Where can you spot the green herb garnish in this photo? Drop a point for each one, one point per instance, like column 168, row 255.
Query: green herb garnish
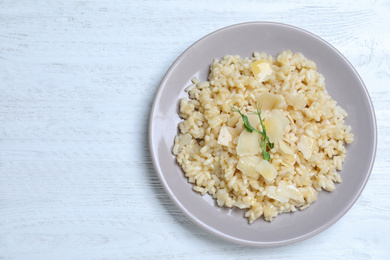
column 263, row 143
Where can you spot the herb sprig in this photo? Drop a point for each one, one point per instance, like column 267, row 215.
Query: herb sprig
column 265, row 143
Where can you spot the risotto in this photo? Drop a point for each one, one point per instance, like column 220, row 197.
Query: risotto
column 262, row 134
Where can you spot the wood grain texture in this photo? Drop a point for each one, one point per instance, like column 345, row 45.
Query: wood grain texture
column 77, row 81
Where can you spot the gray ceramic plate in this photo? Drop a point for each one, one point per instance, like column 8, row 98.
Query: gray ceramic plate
column 343, row 84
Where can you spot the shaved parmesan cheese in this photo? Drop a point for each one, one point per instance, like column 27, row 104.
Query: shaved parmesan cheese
column 285, row 147
column 266, row 170
column 225, row 137
column 261, row 69
column 275, row 125
column 289, row 191
column 284, row 192
column 306, row 146
column 248, row 143
column 253, row 120
column 295, row 101
column 247, row 165
column 273, row 194
column 269, row 101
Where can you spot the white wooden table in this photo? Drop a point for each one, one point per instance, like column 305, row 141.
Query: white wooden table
column 77, row 80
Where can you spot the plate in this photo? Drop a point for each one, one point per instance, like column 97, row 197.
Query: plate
column 342, row 83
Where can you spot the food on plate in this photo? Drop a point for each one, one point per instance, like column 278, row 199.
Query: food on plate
column 262, row 134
